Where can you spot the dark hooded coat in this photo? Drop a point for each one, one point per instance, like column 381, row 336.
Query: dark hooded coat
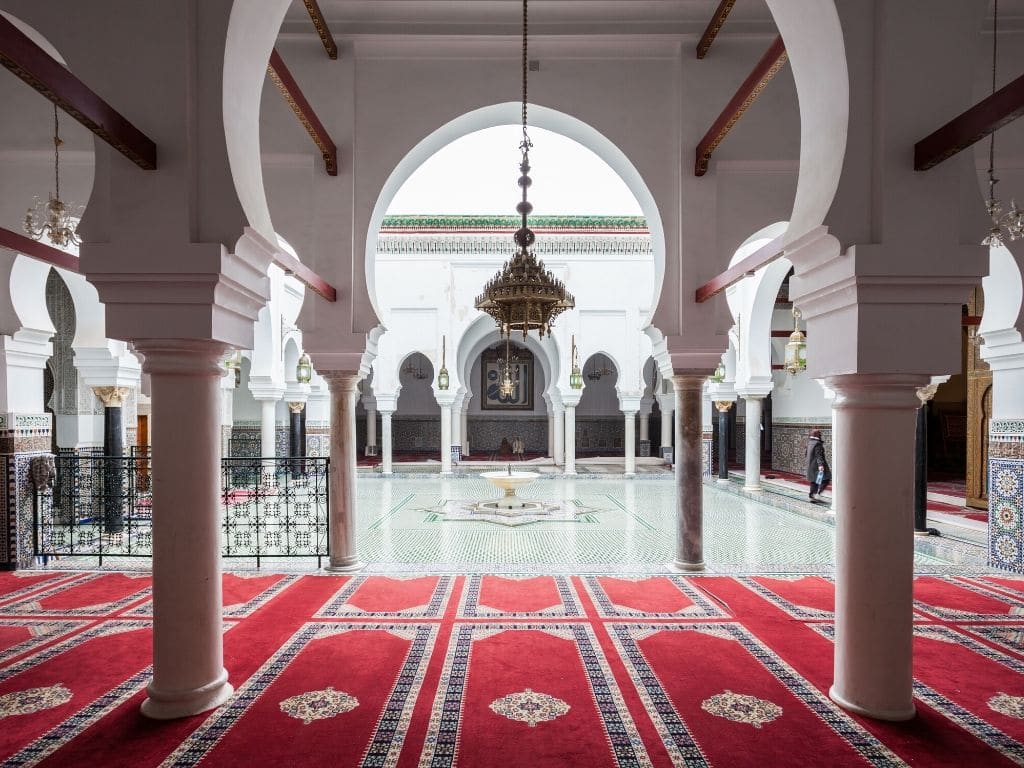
column 816, row 458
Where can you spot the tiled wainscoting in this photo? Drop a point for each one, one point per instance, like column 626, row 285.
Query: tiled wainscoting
column 789, row 444
column 1006, row 493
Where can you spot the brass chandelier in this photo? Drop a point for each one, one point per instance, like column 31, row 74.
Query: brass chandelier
column 524, row 296
column 54, row 218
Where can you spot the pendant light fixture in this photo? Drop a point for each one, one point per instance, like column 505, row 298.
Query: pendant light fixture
column 54, row 218
column 1008, row 226
column 524, row 296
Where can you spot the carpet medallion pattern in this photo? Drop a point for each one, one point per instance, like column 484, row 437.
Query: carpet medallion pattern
column 536, row 670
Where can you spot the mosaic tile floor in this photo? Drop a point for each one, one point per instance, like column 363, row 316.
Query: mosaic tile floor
column 400, row 527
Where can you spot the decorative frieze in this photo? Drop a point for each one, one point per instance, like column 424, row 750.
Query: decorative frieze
column 500, row 244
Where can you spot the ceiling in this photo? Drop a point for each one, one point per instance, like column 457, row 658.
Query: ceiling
column 547, row 17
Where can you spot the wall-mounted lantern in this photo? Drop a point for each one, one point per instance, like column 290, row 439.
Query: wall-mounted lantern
column 576, row 376
column 442, row 375
column 796, row 349
column 304, row 369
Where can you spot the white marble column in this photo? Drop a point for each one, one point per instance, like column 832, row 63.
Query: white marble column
column 446, row 439
column 342, row 511
column 385, row 442
column 645, row 425
column 558, row 429
column 456, row 422
column 752, row 462
column 667, row 406
column 188, row 651
column 629, row 442
column 551, row 432
column 876, row 414
column 570, row 440
column 371, row 426
column 464, row 431
column 268, row 428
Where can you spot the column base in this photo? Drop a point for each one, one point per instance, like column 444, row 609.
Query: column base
column 629, row 474
column 928, row 532
column 722, row 480
column 680, row 567
column 170, row 705
column 892, row 715
column 567, row 472
column 753, row 488
column 348, row 567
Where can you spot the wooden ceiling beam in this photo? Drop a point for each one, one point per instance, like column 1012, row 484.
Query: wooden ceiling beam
column 14, row 241
column 289, row 88
column 54, row 81
column 305, row 275
column 317, row 17
column 771, row 62
column 762, row 257
column 713, row 28
column 985, row 117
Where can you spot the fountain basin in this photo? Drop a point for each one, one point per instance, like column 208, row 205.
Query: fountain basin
column 509, row 482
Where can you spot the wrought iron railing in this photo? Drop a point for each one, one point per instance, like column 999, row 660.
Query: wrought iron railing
column 102, row 506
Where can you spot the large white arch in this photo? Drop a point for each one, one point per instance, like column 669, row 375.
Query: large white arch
column 506, row 114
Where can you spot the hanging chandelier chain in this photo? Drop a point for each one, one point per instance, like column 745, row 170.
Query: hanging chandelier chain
column 526, row 63
column 56, row 153
column 992, row 136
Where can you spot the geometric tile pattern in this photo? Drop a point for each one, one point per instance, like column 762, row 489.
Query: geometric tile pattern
column 1006, row 502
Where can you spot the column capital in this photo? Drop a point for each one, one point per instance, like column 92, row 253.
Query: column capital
column 265, row 388
column 723, row 406
column 893, row 391
column 183, row 357
column 341, row 381
column 297, row 407
column 688, row 381
column 924, row 394
column 111, row 397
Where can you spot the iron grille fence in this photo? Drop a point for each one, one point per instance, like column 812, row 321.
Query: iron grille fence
column 102, row 506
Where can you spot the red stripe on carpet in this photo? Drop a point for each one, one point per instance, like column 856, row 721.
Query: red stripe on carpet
column 929, row 739
column 13, row 587
column 94, row 595
column 74, row 677
column 649, row 597
column 1009, row 584
column 814, row 594
column 952, row 601
column 128, row 738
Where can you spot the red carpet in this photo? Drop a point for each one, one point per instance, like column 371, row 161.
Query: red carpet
column 536, row 670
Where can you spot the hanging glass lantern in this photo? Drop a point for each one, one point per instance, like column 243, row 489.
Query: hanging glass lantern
column 304, row 369
column 576, row 376
column 796, row 349
column 719, row 375
column 442, row 375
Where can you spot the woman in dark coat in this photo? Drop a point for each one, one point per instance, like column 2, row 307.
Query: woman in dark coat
column 818, row 473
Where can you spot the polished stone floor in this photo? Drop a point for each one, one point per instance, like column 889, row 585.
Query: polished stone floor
column 625, row 525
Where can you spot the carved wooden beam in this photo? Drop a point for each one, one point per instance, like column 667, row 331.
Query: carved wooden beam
column 985, row 117
column 55, row 257
column 765, row 70
column 53, row 80
column 285, row 83
column 304, row 274
column 714, row 26
column 321, row 27
column 762, row 257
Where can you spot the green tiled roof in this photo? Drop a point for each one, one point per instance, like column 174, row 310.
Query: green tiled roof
column 512, row 222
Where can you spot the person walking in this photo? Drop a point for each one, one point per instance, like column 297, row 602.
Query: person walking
column 818, row 473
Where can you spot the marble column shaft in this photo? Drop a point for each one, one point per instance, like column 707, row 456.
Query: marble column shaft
column 558, row 425
column 629, row 442
column 874, row 462
column 371, row 426
column 446, row 439
column 689, row 473
column 464, row 431
column 342, row 512
column 385, row 442
column 570, row 440
column 723, row 439
column 188, row 657
column 268, row 428
column 752, row 462
column 666, row 428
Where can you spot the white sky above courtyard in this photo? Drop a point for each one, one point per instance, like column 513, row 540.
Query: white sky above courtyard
column 478, row 174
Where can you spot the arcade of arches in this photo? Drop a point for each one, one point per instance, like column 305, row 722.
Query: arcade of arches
column 255, row 353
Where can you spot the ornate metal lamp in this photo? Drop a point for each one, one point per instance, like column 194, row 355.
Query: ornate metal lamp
column 507, row 385
column 1008, row 226
column 719, row 375
column 304, row 369
column 54, row 218
column 796, row 349
column 442, row 375
column 576, row 377
column 523, row 295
